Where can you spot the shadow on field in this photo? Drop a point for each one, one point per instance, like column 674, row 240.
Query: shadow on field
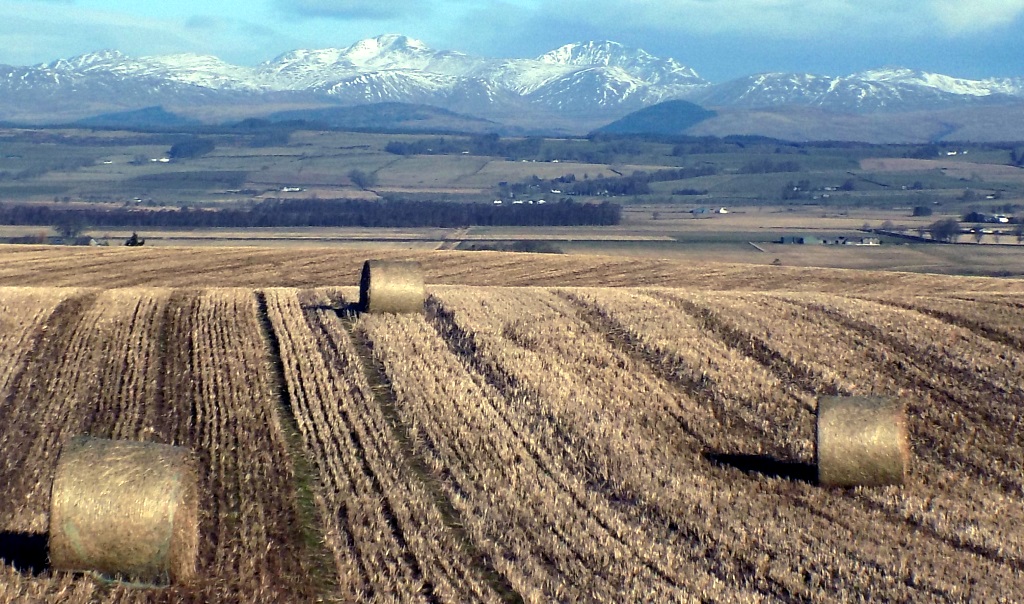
column 766, row 466
column 344, row 310
column 347, row 310
column 26, row 552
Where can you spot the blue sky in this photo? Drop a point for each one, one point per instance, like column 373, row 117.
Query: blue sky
column 721, row 39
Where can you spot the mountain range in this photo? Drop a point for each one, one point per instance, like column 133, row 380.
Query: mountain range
column 572, row 89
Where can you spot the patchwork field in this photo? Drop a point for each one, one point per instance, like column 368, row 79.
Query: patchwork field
column 531, row 437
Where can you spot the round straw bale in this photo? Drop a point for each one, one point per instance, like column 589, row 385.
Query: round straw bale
column 391, row 286
column 862, row 441
column 126, row 510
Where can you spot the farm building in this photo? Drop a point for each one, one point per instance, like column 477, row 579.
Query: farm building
column 801, row 240
column 851, row 241
column 812, row 240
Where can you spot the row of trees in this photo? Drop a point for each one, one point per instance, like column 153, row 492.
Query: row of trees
column 946, row 230
column 191, row 148
column 949, row 230
column 326, row 213
column 484, row 144
column 637, row 183
column 596, row 149
column 767, row 166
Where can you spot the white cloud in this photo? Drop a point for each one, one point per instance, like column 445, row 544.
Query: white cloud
column 47, row 30
column 727, row 38
column 354, row 9
column 788, row 19
column 972, row 16
column 785, row 18
column 37, row 32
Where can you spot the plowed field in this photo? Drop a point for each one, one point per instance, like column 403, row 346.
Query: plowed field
column 525, row 444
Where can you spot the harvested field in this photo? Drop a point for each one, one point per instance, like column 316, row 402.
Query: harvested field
column 25, row 265
column 522, row 444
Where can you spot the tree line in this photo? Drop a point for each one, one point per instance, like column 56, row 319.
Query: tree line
column 393, row 213
column 485, row 144
column 596, row 149
column 637, row 183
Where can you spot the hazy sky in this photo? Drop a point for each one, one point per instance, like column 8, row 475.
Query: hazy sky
column 721, row 39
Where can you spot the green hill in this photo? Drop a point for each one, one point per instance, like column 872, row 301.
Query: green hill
column 149, row 118
column 387, row 117
column 669, row 118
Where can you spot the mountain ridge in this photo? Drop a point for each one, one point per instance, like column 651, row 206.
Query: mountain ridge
column 579, row 85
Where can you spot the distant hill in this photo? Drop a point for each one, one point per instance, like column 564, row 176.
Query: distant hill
column 670, row 117
column 979, row 123
column 149, row 118
column 388, row 117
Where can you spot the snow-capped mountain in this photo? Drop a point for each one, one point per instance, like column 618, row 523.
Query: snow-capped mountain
column 203, row 71
column 958, row 86
column 593, row 75
column 585, row 81
column 638, row 63
column 875, row 90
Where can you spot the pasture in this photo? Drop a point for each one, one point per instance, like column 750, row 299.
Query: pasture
column 772, row 189
column 247, row 165
column 551, row 428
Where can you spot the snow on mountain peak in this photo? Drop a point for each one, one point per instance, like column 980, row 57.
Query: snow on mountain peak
column 886, row 74
column 85, row 61
column 370, row 49
column 943, row 83
column 321, row 57
column 634, row 60
column 597, row 76
column 588, row 53
column 603, row 53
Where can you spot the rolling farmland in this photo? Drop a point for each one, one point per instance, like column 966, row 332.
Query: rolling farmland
column 558, row 442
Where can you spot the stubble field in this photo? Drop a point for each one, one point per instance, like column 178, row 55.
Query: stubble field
column 530, row 437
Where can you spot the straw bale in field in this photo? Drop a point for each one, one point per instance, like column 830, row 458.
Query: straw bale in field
column 391, row 287
column 862, row 441
column 126, row 510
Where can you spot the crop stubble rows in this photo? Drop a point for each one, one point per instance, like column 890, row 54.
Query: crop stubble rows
column 537, row 444
column 388, row 538
column 164, row 366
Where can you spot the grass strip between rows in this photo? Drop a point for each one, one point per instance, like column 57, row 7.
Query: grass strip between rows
column 322, row 573
column 383, row 395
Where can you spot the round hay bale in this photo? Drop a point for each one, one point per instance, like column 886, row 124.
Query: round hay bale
column 862, row 441
column 391, row 286
column 126, row 510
